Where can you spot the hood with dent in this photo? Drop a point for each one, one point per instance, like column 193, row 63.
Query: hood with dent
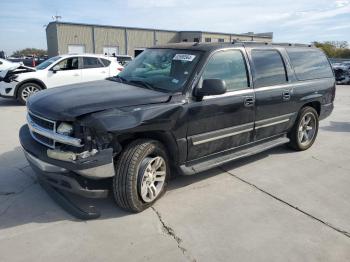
column 69, row 102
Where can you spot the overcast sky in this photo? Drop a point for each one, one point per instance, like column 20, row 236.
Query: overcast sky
column 22, row 22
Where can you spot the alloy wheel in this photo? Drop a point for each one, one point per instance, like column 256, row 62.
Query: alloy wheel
column 307, row 129
column 153, row 174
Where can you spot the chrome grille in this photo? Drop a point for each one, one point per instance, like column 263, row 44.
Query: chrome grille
column 44, row 131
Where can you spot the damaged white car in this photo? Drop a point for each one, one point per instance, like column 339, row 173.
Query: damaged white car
column 20, row 81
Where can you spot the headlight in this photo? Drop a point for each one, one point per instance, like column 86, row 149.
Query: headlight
column 65, row 129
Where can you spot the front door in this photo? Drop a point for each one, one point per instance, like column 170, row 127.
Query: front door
column 222, row 122
column 69, row 73
column 274, row 100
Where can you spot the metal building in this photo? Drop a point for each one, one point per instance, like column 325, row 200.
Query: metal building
column 63, row 38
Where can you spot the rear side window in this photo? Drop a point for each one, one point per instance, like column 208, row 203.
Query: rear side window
column 309, row 64
column 106, row 62
column 229, row 66
column 92, row 62
column 269, row 68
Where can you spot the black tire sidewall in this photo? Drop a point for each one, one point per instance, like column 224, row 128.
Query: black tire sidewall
column 20, row 90
column 132, row 175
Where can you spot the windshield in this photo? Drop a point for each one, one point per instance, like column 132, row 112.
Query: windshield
column 165, row 70
column 48, row 62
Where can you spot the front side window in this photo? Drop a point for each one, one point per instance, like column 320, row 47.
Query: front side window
column 229, row 66
column 69, row 64
column 269, row 68
column 92, row 62
column 165, row 70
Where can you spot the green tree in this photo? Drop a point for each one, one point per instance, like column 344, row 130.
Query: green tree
column 29, row 52
column 334, row 49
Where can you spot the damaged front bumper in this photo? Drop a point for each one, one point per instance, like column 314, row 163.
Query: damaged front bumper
column 87, row 177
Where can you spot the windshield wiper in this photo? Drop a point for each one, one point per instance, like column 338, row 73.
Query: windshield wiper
column 119, row 79
column 143, row 84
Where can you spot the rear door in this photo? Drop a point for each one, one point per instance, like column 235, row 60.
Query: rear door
column 222, row 122
column 274, row 100
column 93, row 69
column 69, row 73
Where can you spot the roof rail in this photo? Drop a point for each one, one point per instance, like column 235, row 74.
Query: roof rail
column 273, row 43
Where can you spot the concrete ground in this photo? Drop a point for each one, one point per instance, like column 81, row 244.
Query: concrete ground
column 279, row 205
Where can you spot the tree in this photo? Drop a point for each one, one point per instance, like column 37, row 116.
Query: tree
column 334, row 49
column 30, row 52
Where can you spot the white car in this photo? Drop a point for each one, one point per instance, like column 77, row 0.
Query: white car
column 20, row 82
column 5, row 64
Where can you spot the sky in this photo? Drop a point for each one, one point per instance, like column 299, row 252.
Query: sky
column 22, row 23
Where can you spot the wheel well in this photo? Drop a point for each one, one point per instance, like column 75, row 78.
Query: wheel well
column 164, row 138
column 35, row 81
column 316, row 105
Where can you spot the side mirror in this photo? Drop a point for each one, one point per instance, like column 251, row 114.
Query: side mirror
column 56, row 68
column 211, row 87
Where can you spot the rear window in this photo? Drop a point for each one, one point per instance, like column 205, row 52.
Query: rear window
column 269, row 68
column 106, row 62
column 309, row 64
column 92, row 62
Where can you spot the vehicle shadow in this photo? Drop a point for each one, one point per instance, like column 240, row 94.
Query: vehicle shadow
column 335, row 126
column 34, row 205
column 10, row 102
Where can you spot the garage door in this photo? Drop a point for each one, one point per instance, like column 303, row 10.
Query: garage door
column 76, row 49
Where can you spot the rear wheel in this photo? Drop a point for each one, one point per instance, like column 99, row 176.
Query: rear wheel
column 26, row 90
column 305, row 129
column 142, row 172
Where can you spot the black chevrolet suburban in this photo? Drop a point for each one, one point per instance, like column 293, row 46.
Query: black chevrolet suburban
column 176, row 109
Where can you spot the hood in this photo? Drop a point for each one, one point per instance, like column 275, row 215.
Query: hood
column 14, row 69
column 69, row 102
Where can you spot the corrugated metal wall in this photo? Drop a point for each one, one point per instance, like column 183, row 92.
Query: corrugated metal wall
column 52, row 41
column 74, row 35
column 94, row 38
column 109, row 37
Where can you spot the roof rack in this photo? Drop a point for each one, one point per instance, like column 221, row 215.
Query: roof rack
column 273, row 43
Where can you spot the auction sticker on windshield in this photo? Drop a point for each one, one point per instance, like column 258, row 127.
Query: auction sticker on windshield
column 184, row 57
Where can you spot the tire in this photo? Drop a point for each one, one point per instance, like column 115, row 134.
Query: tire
column 305, row 129
column 135, row 170
column 27, row 90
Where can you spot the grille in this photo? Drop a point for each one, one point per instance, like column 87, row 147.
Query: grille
column 44, row 140
column 42, row 122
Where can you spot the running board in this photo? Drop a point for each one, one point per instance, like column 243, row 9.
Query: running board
column 225, row 158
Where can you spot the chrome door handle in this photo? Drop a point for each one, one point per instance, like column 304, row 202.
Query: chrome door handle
column 76, row 75
column 249, row 101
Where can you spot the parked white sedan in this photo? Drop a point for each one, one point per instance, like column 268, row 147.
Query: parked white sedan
column 20, row 82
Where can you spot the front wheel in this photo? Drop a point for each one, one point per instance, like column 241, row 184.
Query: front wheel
column 142, row 172
column 305, row 129
column 26, row 90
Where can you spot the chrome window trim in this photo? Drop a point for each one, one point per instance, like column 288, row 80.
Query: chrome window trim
column 51, row 134
column 231, row 93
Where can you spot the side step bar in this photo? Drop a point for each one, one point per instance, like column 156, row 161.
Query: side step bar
column 237, row 154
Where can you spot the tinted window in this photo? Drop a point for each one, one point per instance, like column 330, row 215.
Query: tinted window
column 269, row 68
column 92, row 62
column 229, row 66
column 106, row 62
column 309, row 64
column 69, row 64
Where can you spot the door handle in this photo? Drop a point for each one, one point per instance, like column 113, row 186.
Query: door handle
column 286, row 95
column 103, row 72
column 249, row 101
column 76, row 75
